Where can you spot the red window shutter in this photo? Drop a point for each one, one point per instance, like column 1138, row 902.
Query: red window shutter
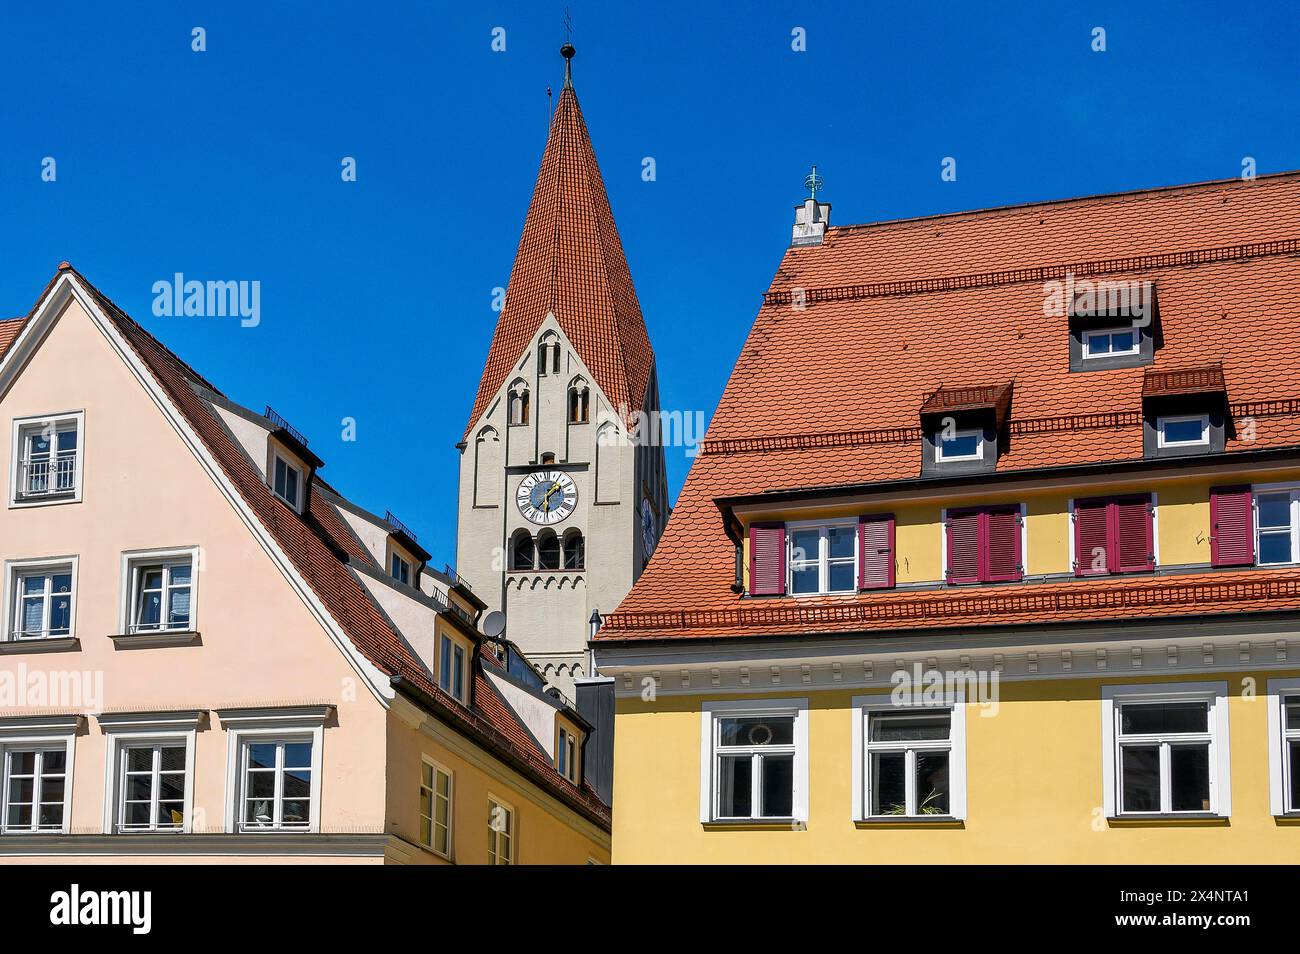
column 876, row 551
column 964, row 546
column 1232, row 526
column 766, row 559
column 1133, row 547
column 1002, row 544
column 1092, row 550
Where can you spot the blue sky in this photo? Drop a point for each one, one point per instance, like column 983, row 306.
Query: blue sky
column 376, row 294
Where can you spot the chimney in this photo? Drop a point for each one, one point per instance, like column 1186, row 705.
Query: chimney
column 811, row 217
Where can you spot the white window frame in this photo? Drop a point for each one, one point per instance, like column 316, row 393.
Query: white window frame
column 1135, row 330
column 43, row 732
column 133, row 561
column 278, row 456
column 941, row 458
column 246, row 726
column 126, row 730
column 15, row 570
column 711, row 713
column 23, row 425
column 823, row 558
column 1280, row 766
column 1264, row 490
column 1113, row 697
column 1202, row 441
column 862, row 708
column 496, row 835
column 438, row 768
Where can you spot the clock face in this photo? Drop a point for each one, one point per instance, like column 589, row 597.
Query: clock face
column 546, row 497
column 648, row 538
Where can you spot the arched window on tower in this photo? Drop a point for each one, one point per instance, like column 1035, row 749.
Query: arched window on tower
column 579, row 402
column 487, row 465
column 519, row 403
column 548, row 354
column 548, row 551
column 575, row 555
column 521, row 551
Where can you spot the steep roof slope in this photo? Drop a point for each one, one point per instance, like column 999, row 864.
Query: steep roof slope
column 829, row 394
column 570, row 263
column 320, row 548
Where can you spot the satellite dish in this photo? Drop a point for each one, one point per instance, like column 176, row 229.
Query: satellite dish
column 494, row 624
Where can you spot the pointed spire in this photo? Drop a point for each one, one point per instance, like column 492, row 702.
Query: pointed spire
column 570, row 263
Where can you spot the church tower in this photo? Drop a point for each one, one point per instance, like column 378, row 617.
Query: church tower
column 562, row 484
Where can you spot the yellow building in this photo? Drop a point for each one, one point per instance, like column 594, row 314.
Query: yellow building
column 991, row 552
column 207, row 654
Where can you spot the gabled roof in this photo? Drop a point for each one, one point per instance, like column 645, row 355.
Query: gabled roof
column 825, row 391
column 320, row 546
column 570, row 263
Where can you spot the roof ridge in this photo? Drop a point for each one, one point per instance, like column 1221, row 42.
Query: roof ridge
column 1126, row 194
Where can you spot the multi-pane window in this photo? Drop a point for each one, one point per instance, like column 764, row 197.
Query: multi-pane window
column 401, row 569
column 754, row 767
column 435, row 808
column 908, row 762
column 1277, row 540
column 1164, row 752
column 451, row 668
column 823, row 559
column 152, row 778
column 276, row 790
column 287, row 481
column 501, row 833
column 42, row 603
column 47, row 459
column 1108, row 342
column 35, row 786
column 1185, row 430
column 160, row 597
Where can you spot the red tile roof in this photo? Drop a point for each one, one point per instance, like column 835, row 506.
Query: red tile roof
column 855, row 335
column 320, row 547
column 570, row 262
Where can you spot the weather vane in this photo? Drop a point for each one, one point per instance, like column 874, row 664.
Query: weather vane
column 813, row 182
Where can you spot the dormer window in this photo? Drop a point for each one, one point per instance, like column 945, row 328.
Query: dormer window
column 1185, row 412
column 960, row 445
column 287, row 481
column 962, row 428
column 1185, row 430
column 1113, row 324
column 401, row 569
column 452, row 656
column 1111, row 342
column 566, row 754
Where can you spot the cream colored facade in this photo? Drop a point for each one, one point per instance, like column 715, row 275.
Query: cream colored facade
column 262, row 659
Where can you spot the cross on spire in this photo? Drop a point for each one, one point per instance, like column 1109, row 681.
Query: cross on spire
column 813, row 182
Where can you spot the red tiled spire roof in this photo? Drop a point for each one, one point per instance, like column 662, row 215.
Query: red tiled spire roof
column 570, row 262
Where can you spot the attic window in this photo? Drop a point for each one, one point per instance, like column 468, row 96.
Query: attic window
column 1184, row 430
column 960, row 445
column 287, row 483
column 1185, row 411
column 1111, row 342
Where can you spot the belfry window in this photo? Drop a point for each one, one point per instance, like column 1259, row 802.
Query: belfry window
column 522, row 551
column 575, row 555
column 548, row 551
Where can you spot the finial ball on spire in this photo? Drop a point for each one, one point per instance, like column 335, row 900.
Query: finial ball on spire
column 567, row 51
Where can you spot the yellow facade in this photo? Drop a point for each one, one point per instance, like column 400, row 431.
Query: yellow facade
column 1182, row 523
column 1034, row 787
